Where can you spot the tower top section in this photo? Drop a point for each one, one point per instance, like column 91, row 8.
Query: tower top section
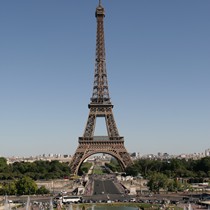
column 100, row 86
column 100, row 10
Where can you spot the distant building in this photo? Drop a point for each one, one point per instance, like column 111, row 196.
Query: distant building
column 207, row 152
column 135, row 155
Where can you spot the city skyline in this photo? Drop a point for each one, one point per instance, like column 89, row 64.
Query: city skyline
column 158, row 66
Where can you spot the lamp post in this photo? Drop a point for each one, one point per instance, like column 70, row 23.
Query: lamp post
column 140, row 178
column 140, row 185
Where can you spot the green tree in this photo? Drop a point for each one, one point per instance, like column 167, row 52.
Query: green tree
column 3, row 164
column 26, row 185
column 42, row 190
column 203, row 164
column 133, row 170
column 157, row 181
column 8, row 188
column 174, row 185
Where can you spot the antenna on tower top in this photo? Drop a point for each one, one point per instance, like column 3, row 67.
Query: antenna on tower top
column 99, row 2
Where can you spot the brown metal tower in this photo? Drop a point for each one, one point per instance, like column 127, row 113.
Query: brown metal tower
column 100, row 106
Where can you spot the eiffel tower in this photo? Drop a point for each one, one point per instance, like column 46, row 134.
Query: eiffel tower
column 100, row 106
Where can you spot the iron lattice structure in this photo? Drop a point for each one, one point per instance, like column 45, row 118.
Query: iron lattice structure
column 100, row 106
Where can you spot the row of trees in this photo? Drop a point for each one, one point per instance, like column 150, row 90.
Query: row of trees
column 19, row 178
column 173, row 168
column 36, row 170
column 197, row 169
column 158, row 181
column 25, row 185
column 166, row 174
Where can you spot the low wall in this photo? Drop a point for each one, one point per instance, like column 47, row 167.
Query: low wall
column 53, row 185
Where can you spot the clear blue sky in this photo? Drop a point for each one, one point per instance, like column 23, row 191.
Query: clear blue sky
column 158, row 64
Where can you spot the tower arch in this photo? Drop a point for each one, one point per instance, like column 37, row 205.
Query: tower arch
column 104, row 152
